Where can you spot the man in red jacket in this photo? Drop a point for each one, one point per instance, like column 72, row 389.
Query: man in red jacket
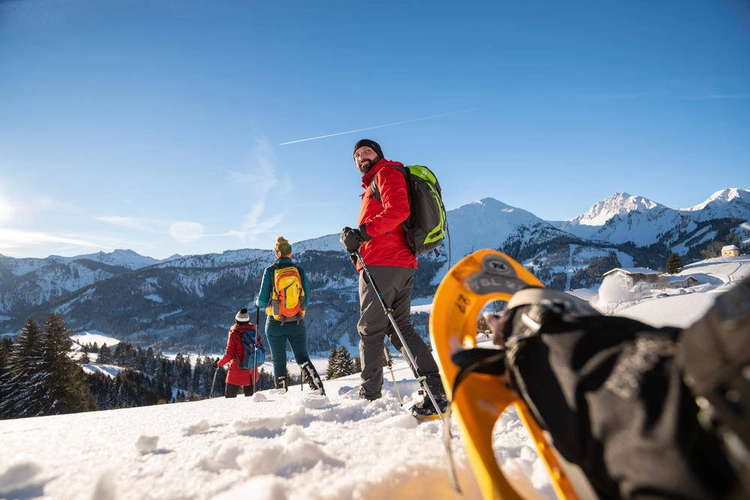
column 381, row 240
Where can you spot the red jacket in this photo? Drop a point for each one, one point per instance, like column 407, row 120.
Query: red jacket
column 382, row 221
column 234, row 353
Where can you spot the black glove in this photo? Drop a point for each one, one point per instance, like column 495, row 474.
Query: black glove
column 353, row 238
column 215, row 363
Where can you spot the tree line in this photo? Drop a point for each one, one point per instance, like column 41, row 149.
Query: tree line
column 38, row 375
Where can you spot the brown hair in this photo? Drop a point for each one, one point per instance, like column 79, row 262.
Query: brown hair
column 283, row 247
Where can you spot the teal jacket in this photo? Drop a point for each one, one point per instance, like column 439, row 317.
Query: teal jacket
column 266, row 284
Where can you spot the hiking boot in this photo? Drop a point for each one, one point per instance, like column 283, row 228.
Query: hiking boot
column 281, row 383
column 425, row 410
column 310, row 374
column 369, row 397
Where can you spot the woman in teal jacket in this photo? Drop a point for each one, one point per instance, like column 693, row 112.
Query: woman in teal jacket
column 281, row 329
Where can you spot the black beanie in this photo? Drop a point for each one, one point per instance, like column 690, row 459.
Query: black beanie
column 369, row 143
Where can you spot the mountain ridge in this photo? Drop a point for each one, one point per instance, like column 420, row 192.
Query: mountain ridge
column 187, row 301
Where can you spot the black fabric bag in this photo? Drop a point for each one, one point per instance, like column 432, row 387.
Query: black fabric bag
column 611, row 394
column 714, row 356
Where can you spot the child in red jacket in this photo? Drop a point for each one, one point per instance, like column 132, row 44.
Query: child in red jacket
column 236, row 376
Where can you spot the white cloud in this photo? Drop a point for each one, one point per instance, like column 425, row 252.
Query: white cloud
column 11, row 239
column 260, row 182
column 186, row 231
column 140, row 223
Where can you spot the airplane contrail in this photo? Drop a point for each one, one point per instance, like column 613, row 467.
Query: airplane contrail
column 380, row 126
column 412, row 121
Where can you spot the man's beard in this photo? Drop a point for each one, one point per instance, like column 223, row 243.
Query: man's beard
column 366, row 165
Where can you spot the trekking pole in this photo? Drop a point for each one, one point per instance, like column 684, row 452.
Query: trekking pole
column 213, row 382
column 420, row 378
column 389, row 363
column 257, row 338
column 389, row 312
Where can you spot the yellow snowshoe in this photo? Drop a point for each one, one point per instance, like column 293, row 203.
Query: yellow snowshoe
column 481, row 395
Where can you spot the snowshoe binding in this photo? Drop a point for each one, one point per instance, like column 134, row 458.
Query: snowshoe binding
column 425, row 410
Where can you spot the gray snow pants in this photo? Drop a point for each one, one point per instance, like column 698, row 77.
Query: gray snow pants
column 395, row 284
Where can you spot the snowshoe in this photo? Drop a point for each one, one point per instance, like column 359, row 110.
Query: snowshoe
column 425, row 410
column 483, row 395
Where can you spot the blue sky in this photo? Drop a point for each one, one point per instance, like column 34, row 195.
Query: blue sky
column 195, row 127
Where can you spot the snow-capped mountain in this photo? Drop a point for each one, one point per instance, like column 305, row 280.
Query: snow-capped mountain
column 618, row 204
column 727, row 203
column 189, row 301
column 623, row 218
column 118, row 258
column 491, row 223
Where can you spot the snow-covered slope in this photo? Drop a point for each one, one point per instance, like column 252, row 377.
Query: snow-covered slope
column 488, row 223
column 732, row 202
column 186, row 300
column 119, row 258
column 665, row 306
column 285, row 446
column 624, row 218
column 328, row 243
column 618, row 204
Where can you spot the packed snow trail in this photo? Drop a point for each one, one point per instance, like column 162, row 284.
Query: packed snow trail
column 294, row 445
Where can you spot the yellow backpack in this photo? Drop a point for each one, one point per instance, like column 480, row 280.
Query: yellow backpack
column 287, row 296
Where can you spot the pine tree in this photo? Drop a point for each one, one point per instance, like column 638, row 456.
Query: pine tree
column 345, row 362
column 6, row 344
column 332, row 372
column 66, row 388
column 674, row 264
column 84, row 359
column 25, row 380
column 105, row 355
column 151, row 361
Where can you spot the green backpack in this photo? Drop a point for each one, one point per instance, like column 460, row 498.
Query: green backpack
column 427, row 224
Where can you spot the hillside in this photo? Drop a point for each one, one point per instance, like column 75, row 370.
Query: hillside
column 295, row 445
column 187, row 302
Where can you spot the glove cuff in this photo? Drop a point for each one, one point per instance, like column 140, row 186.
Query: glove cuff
column 363, row 232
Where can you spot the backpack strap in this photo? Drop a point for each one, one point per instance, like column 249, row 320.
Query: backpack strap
column 376, row 192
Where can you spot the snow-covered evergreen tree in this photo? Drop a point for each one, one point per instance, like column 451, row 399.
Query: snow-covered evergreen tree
column 345, row 364
column 67, row 390
column 105, row 355
column 5, row 346
column 27, row 381
column 332, row 372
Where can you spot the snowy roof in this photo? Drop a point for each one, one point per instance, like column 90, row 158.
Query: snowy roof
column 729, row 247
column 679, row 278
column 631, row 270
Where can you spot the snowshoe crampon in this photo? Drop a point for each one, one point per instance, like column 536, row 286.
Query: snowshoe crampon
column 482, row 396
column 425, row 410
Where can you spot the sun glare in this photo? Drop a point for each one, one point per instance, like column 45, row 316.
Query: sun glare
column 6, row 210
